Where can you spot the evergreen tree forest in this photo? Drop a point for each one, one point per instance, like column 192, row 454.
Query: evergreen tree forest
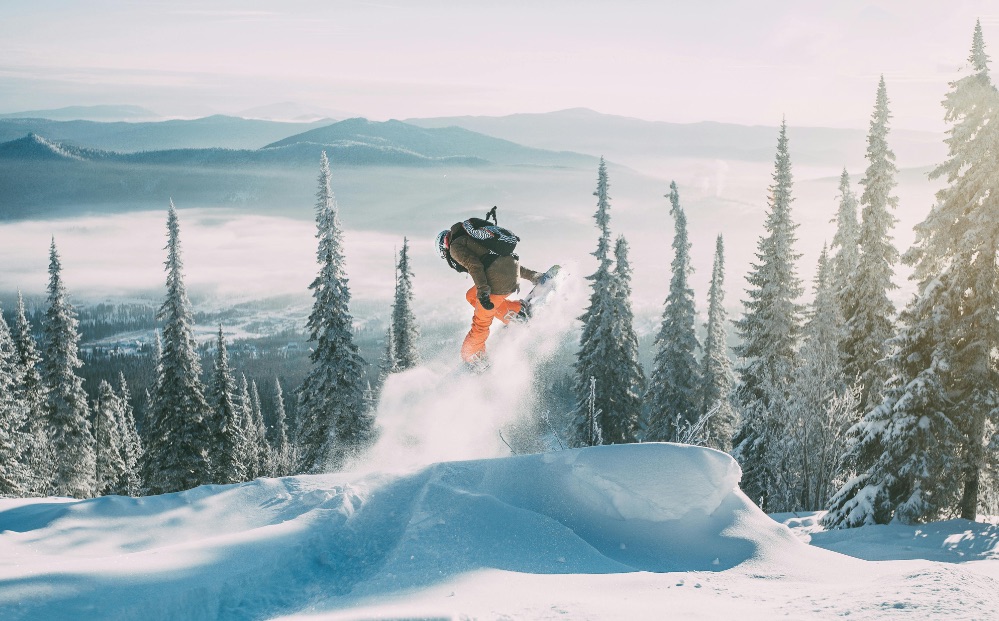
column 829, row 399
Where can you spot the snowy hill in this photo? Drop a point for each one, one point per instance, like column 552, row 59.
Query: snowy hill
column 607, row 532
column 36, row 148
column 276, row 546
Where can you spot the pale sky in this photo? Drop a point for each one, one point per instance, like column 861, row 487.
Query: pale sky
column 817, row 62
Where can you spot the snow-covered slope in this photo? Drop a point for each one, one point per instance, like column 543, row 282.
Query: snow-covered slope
column 434, row 525
column 637, row 531
column 280, row 546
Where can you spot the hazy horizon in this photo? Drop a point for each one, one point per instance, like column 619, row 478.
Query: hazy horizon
column 816, row 65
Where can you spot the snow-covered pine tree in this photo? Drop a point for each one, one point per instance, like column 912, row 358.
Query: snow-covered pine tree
column 906, row 451
column 600, row 352
column 179, row 439
column 132, row 444
column 111, row 468
column 247, row 430
column 281, row 448
column 717, row 377
column 770, row 330
column 149, row 409
column 67, row 410
column 370, row 399
column 962, row 232
column 629, row 379
column 405, row 331
column 920, row 455
column 334, row 423
column 229, row 456
column 14, row 474
column 32, row 394
column 822, row 401
column 593, row 435
column 844, row 247
column 262, row 456
column 388, row 363
column 868, row 312
column 673, row 398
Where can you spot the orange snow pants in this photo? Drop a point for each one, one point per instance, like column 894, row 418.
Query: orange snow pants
column 475, row 340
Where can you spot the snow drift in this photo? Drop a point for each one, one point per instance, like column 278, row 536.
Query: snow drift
column 278, row 546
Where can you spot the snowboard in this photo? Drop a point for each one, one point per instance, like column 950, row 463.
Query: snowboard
column 544, row 291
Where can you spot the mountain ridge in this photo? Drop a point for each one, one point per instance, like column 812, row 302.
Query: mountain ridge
column 87, row 113
column 630, row 140
column 352, row 142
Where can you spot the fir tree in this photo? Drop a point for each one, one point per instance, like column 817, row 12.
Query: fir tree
column 718, row 379
column 180, row 436
column 822, row 401
column 281, row 456
column 111, row 467
column 229, row 464
column 334, row 424
column 920, row 455
column 629, row 382
column 261, row 448
column 673, row 396
column 388, row 363
column 14, row 473
column 590, row 358
column 961, row 236
column 404, row 329
column 67, row 410
column 770, row 331
column 131, row 443
column 603, row 352
column 32, row 394
column 906, row 450
column 247, row 431
column 868, row 313
column 845, row 249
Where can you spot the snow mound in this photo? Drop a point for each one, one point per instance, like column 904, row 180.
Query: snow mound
column 658, row 485
column 332, row 542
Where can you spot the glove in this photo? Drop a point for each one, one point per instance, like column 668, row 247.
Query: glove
column 483, row 295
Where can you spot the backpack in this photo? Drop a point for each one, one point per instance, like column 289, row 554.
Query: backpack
column 495, row 238
column 499, row 241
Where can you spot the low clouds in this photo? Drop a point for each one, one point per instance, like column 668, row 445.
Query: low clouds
column 226, row 255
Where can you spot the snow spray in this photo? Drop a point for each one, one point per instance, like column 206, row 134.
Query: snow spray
column 437, row 412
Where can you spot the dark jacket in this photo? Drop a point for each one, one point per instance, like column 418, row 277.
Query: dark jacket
column 500, row 277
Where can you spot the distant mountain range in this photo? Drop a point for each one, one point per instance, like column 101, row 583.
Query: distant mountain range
column 293, row 112
column 350, row 142
column 88, row 113
column 48, row 165
column 445, row 142
column 225, row 132
column 40, row 175
column 629, row 141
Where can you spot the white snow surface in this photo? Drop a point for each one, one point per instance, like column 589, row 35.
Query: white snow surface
column 453, row 527
column 638, row 531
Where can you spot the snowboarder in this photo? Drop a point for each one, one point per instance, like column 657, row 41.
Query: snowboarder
column 485, row 251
